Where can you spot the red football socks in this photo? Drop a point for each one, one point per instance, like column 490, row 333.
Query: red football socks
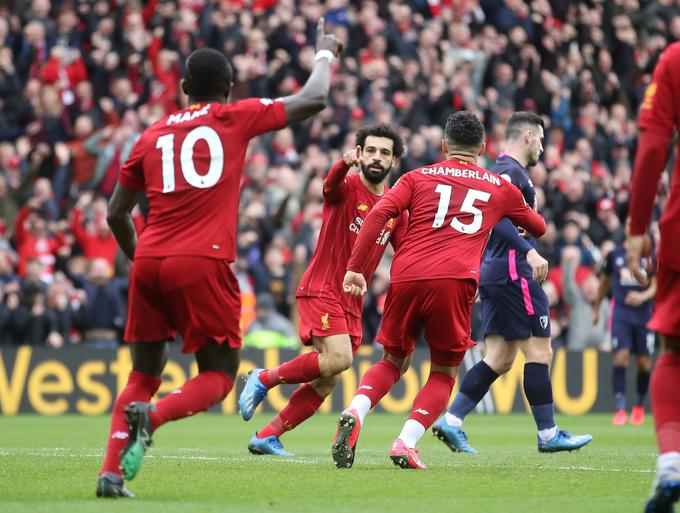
column 140, row 387
column 301, row 369
column 196, row 395
column 432, row 398
column 302, row 405
column 663, row 389
column 378, row 380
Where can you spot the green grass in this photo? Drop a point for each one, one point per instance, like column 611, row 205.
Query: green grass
column 201, row 464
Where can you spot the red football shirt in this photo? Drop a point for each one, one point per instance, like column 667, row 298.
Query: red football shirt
column 190, row 165
column 347, row 202
column 452, row 206
column 659, row 118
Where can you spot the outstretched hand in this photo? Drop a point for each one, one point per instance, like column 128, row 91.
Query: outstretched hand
column 354, row 284
column 327, row 41
column 353, row 157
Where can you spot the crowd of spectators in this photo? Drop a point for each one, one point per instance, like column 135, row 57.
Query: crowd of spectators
column 79, row 81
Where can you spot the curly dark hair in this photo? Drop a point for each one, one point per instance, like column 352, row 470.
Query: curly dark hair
column 521, row 121
column 464, row 130
column 207, row 74
column 382, row 130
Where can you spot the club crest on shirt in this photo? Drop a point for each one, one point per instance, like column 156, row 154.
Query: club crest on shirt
column 325, row 325
column 390, row 224
column 544, row 321
column 362, row 207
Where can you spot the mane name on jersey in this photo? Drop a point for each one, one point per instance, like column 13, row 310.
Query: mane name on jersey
column 461, row 173
column 187, row 115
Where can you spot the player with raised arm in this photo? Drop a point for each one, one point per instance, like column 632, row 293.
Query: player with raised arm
column 632, row 310
column 515, row 309
column 659, row 120
column 330, row 321
column 189, row 164
column 452, row 205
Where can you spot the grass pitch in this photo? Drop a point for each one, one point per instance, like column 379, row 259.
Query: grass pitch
column 50, row 464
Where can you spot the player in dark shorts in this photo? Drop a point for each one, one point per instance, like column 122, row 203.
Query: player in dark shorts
column 189, row 164
column 515, row 309
column 632, row 310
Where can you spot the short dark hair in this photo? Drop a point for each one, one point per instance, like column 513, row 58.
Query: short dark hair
column 382, row 130
column 464, row 130
column 207, row 73
column 521, row 121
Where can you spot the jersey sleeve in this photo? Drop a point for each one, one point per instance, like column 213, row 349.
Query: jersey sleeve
column 335, row 183
column 132, row 173
column 658, row 105
column 656, row 124
column 521, row 214
column 256, row 116
column 395, row 201
column 509, row 234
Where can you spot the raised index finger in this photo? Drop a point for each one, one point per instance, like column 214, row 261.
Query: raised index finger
column 319, row 28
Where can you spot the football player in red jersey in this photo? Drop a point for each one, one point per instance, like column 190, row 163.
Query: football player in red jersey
column 329, row 319
column 189, row 164
column 659, row 119
column 452, row 205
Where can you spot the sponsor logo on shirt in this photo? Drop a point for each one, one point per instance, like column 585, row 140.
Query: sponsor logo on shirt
column 325, row 325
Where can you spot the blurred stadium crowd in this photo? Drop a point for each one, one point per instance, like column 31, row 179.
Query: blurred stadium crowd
column 79, row 81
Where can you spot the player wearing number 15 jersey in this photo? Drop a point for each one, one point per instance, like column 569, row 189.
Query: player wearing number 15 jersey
column 452, row 205
column 189, row 164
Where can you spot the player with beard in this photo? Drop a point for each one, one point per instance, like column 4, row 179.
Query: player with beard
column 330, row 321
column 515, row 309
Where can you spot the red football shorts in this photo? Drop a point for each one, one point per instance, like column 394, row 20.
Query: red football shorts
column 442, row 307
column 195, row 296
column 666, row 317
column 322, row 317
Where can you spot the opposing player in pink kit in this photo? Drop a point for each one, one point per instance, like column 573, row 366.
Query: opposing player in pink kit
column 452, row 206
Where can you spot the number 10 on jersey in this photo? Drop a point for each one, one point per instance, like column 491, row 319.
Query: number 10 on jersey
column 166, row 143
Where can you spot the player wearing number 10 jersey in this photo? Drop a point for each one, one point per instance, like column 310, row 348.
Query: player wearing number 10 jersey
column 190, row 165
column 452, row 205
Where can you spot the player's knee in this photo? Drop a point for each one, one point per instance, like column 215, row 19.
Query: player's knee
column 500, row 365
column 621, row 358
column 543, row 354
column 339, row 361
column 325, row 386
